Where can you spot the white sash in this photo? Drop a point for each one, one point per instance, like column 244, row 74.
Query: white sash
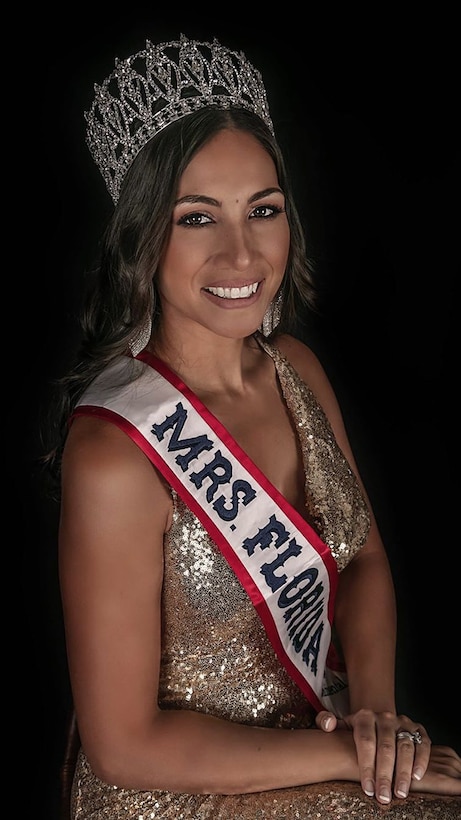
column 288, row 572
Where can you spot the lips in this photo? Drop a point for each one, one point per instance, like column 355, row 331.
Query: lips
column 234, row 293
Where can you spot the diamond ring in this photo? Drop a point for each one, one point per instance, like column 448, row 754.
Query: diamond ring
column 415, row 737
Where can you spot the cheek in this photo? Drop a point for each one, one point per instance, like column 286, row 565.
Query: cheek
column 280, row 247
column 185, row 248
column 176, row 261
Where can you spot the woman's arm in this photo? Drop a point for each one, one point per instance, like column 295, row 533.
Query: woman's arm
column 365, row 619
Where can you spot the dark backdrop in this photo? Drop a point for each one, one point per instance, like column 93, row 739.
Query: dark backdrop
column 366, row 111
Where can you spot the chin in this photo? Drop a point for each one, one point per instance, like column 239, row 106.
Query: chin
column 240, row 331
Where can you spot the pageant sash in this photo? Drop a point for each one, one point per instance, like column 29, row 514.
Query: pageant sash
column 288, row 572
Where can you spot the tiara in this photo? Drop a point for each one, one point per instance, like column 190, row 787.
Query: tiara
column 159, row 85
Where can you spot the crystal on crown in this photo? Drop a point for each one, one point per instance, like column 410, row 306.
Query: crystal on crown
column 158, row 86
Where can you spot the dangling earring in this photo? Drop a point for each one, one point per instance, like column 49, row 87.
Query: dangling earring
column 272, row 315
column 139, row 341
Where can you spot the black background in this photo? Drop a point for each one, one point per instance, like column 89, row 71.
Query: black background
column 365, row 108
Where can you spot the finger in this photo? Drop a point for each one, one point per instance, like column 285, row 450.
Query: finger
column 422, row 754
column 413, row 754
column 365, row 737
column 326, row 721
column 375, row 740
column 404, row 766
column 386, row 760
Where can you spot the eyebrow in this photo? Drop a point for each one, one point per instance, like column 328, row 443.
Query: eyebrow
column 208, row 200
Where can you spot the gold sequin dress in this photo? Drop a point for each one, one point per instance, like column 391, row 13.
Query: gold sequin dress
column 217, row 659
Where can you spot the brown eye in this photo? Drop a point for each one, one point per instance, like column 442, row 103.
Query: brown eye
column 266, row 211
column 195, row 219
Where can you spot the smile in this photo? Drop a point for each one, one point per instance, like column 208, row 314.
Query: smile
column 234, row 293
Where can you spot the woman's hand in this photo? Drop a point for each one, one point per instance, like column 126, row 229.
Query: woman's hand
column 392, row 750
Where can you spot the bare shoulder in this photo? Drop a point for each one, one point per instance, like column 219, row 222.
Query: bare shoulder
column 102, row 463
column 98, row 451
column 99, row 444
column 297, row 352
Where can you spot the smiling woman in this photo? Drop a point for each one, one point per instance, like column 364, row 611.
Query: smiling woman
column 228, row 602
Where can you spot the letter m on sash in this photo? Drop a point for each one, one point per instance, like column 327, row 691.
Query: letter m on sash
column 195, row 445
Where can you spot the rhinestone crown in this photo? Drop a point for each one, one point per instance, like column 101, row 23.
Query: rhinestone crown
column 158, row 86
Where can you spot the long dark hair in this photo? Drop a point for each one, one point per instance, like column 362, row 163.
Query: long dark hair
column 122, row 290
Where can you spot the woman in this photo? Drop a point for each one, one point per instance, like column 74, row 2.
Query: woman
column 229, row 610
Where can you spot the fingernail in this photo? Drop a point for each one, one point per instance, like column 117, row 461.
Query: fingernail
column 385, row 796
column 369, row 788
column 418, row 774
column 327, row 722
column 402, row 790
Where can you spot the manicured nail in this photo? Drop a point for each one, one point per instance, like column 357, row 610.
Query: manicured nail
column 369, row 788
column 418, row 774
column 327, row 722
column 402, row 790
column 385, row 795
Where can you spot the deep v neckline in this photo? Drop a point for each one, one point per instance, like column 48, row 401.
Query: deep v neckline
column 280, row 361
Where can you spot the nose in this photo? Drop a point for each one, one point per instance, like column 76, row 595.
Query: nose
column 237, row 246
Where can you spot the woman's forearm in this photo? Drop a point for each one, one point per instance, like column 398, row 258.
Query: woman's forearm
column 366, row 624
column 196, row 753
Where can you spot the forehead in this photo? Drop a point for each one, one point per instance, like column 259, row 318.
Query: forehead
column 231, row 158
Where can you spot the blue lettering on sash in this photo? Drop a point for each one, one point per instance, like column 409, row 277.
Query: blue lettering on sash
column 285, row 598
column 301, row 604
column 218, row 471
column 275, row 581
column 299, row 632
column 312, row 649
column 304, row 604
column 176, row 422
column 305, row 619
column 263, row 537
column 239, row 487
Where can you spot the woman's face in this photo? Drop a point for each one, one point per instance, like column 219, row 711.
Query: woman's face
column 229, row 241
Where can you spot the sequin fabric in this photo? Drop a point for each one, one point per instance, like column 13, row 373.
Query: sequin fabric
column 216, row 657
column 335, row 506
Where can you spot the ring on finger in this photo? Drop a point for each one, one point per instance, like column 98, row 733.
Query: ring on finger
column 415, row 736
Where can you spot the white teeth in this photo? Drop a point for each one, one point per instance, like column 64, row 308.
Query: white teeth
column 234, row 293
